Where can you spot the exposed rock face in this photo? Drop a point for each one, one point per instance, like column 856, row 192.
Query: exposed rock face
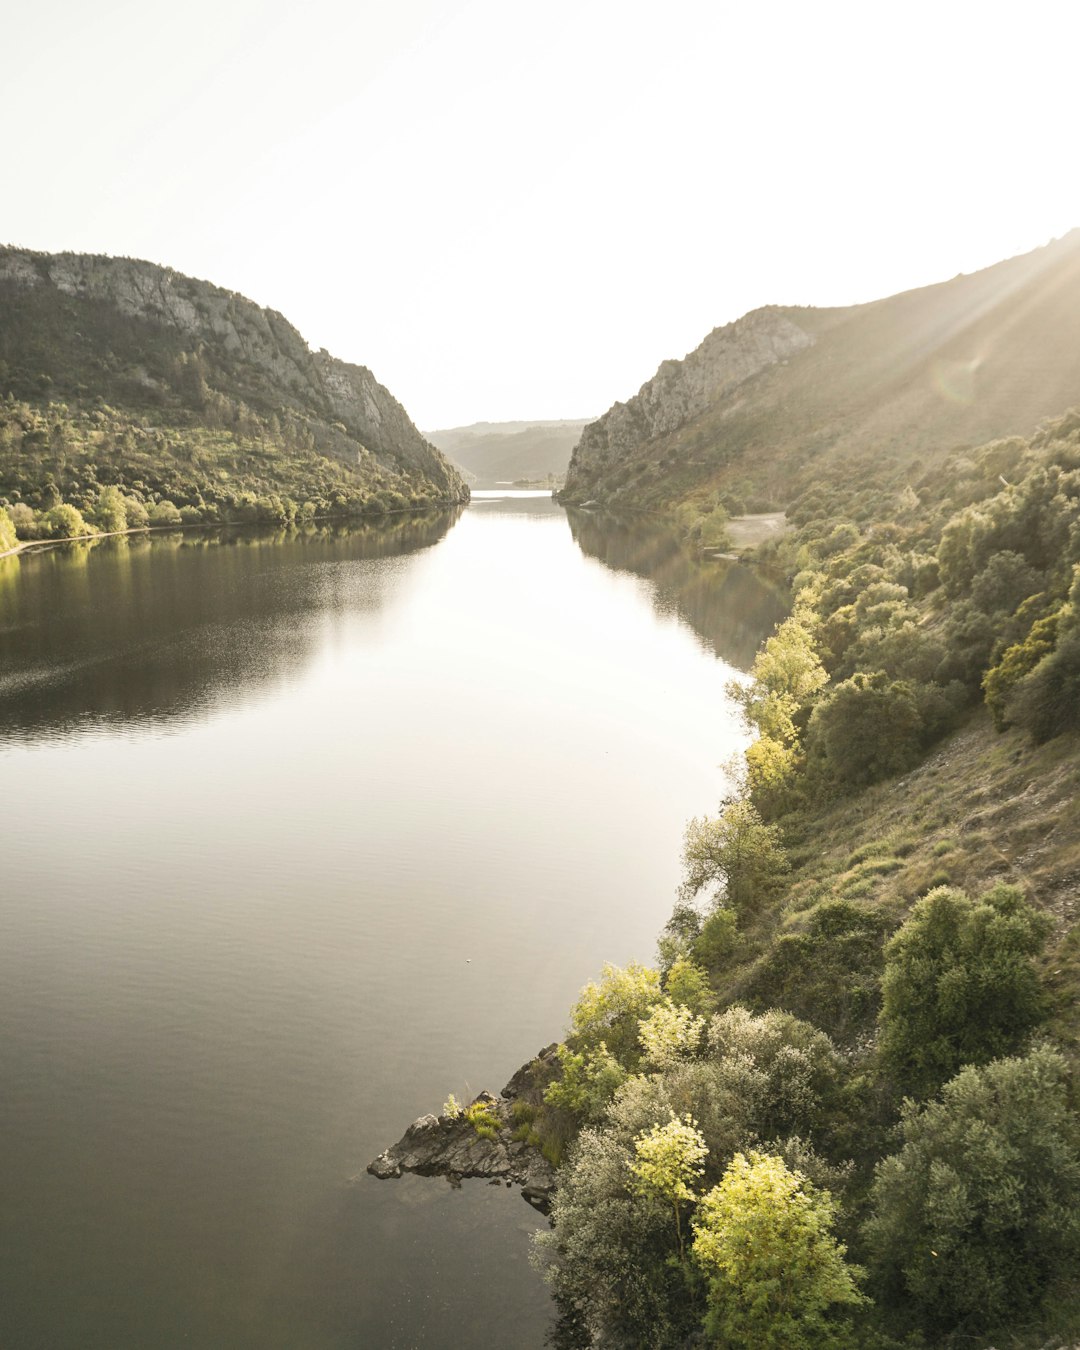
column 260, row 338
column 449, row 1146
column 682, row 390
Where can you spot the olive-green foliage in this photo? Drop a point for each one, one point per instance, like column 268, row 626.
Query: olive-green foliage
column 978, row 1215
column 609, row 1248
column 607, row 1013
column 717, row 945
column 829, row 970
column 588, row 1081
column 799, row 1065
column 687, row 985
column 1014, row 663
column 867, row 728
column 778, row 1278
column 1047, row 702
column 64, row 522
column 7, row 531
column 959, row 986
column 736, row 856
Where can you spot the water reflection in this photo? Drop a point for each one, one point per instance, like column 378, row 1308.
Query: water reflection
column 162, row 627
column 730, row 606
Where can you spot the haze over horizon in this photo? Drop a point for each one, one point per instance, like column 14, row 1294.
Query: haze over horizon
column 507, row 219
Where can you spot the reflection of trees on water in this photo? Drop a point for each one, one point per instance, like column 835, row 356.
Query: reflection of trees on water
column 730, row 606
column 152, row 628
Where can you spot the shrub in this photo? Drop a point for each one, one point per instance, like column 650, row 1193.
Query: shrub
column 777, row 1276
column 959, row 985
column 737, row 855
column 979, row 1213
column 868, row 728
column 607, row 1014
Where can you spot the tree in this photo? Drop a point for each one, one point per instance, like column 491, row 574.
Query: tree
column 668, row 1160
column 64, row 522
column 587, row 1083
column 777, row 1276
column 866, row 729
column 737, row 853
column 979, row 1213
column 960, row 985
column 110, row 512
column 670, row 1032
column 608, row 1013
column 7, row 531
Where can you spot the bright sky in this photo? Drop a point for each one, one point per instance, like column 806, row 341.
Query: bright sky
column 512, row 211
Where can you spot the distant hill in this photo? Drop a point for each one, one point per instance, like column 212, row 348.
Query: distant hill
column 120, row 373
column 764, row 403
column 491, row 453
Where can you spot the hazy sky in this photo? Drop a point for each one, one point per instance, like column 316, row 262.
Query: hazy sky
column 513, row 211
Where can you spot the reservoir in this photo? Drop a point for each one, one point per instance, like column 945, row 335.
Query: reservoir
column 299, row 834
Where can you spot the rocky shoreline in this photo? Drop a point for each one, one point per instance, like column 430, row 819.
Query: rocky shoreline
column 449, row 1145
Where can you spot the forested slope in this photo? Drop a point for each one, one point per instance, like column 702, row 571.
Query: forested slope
column 129, row 391
column 781, row 396
column 842, row 1109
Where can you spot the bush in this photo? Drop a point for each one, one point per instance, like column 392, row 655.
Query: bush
column 829, row 973
column 959, row 985
column 777, row 1276
column 866, row 729
column 978, row 1215
column 607, row 1014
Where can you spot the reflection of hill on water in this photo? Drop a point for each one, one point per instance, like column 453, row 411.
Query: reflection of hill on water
column 732, row 607
column 155, row 628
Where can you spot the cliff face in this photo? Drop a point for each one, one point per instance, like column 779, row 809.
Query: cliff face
column 758, row 406
column 251, row 353
column 682, row 390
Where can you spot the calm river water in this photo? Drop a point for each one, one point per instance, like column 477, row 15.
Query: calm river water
column 299, row 834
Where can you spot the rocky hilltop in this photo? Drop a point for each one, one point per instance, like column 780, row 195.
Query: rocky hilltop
column 177, row 352
column 752, row 414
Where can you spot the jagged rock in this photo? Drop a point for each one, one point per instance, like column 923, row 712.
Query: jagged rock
column 449, row 1146
column 681, row 390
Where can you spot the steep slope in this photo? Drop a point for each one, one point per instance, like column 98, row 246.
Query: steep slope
column 767, row 400
column 229, row 394
column 507, row 452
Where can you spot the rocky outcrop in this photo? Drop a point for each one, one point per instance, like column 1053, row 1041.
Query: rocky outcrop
column 280, row 368
column 682, row 390
column 449, row 1146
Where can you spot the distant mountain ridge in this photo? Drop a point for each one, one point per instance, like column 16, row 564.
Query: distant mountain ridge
column 178, row 353
column 766, row 400
column 506, row 452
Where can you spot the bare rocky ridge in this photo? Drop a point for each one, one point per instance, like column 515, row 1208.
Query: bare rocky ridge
column 276, row 356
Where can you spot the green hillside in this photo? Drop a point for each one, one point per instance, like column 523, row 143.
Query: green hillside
column 126, row 387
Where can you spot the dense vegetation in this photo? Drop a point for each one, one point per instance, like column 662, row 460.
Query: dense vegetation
column 842, row 1111
column 130, row 395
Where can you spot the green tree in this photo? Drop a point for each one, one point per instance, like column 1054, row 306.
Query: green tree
column 608, row 1013
column 64, row 522
column 960, row 985
column 7, row 531
column 110, row 512
column 668, row 1161
column 978, row 1215
column 737, row 855
column 778, row 1278
column 588, row 1081
column 866, row 729
column 670, row 1032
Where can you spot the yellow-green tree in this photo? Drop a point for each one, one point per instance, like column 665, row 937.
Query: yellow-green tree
column 778, row 1279
column 668, row 1159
